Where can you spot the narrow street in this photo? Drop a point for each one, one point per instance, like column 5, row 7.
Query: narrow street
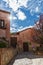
column 27, row 58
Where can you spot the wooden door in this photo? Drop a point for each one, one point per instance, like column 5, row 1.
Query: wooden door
column 25, row 47
column 13, row 41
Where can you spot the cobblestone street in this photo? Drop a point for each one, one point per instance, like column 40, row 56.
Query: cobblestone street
column 28, row 59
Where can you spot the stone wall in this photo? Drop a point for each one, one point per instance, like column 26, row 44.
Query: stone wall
column 6, row 54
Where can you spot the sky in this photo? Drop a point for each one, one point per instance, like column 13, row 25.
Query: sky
column 23, row 13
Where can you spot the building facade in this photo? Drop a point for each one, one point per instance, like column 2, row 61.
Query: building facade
column 4, row 25
column 24, row 40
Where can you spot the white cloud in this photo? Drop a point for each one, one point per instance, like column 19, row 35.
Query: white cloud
column 13, row 29
column 35, row 6
column 21, row 15
column 20, row 28
column 37, row 9
column 34, row 10
column 14, row 4
column 38, row 16
column 29, row 4
column 12, row 17
column 13, row 25
column 23, row 2
column 31, row 12
column 23, row 28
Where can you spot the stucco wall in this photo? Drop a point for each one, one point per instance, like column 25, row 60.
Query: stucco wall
column 5, row 32
column 27, row 36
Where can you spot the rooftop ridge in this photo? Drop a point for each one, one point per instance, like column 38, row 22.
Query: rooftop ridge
column 4, row 11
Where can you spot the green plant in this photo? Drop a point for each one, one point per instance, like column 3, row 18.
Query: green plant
column 3, row 44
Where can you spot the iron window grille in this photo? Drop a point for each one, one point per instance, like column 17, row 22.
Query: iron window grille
column 2, row 24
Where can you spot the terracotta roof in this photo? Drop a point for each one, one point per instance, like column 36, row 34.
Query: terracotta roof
column 22, row 31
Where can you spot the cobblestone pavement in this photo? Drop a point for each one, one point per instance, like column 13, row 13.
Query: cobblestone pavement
column 28, row 59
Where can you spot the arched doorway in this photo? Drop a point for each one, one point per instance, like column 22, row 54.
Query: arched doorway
column 25, row 47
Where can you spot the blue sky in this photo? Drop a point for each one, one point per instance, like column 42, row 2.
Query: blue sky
column 24, row 13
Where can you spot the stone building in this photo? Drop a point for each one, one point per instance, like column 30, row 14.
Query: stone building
column 24, row 40
column 4, row 25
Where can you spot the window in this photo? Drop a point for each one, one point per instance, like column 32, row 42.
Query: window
column 2, row 23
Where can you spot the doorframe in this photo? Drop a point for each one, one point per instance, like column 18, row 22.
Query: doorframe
column 25, row 45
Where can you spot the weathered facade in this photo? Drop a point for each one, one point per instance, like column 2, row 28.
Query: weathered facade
column 25, row 41
column 4, row 25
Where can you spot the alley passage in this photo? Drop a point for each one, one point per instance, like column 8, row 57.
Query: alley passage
column 27, row 58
